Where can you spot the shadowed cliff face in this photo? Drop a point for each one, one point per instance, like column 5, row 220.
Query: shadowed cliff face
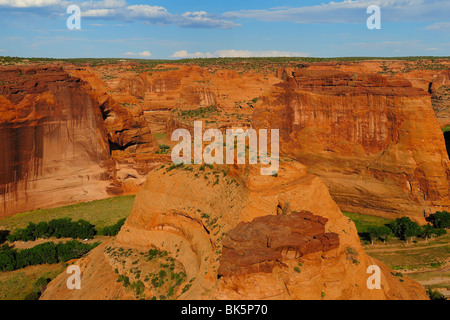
column 55, row 137
column 375, row 141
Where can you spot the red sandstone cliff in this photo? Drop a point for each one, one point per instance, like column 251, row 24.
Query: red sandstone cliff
column 56, row 134
column 374, row 140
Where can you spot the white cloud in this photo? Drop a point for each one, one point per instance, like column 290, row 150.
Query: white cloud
column 29, row 3
column 121, row 10
column 143, row 54
column 238, row 53
column 105, row 4
column 352, row 11
column 146, row 11
column 441, row 26
column 199, row 19
column 268, row 53
column 185, row 54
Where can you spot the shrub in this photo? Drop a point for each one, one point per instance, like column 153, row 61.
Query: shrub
column 114, row 229
column 435, row 295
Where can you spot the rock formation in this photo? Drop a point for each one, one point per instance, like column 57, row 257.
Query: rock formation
column 215, row 222
column 375, row 141
column 262, row 244
column 56, row 134
column 365, row 127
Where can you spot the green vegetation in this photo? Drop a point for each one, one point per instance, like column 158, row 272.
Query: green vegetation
column 164, row 149
column 380, row 232
column 160, row 136
column 58, row 228
column 114, row 229
column 435, row 295
column 201, row 112
column 13, row 259
column 363, row 222
column 440, row 219
column 153, row 64
column 446, row 128
column 38, row 288
column 371, row 228
column 404, row 228
column 101, row 213
column 26, row 283
column 153, row 272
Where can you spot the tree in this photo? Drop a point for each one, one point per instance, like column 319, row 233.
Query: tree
column 404, row 228
column 384, row 233
column 427, row 231
column 380, row 232
column 373, row 233
column 440, row 219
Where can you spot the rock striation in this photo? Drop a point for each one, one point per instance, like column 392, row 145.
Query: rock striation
column 374, row 140
column 57, row 131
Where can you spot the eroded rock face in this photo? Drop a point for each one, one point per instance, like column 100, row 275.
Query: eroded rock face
column 205, row 225
column 52, row 140
column 375, row 141
column 260, row 245
column 57, row 131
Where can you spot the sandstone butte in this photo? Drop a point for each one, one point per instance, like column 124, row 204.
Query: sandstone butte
column 263, row 228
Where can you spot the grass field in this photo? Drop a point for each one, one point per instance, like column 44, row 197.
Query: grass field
column 15, row 285
column 100, row 213
column 362, row 221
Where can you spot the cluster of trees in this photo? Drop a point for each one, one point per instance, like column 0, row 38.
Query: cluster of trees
column 404, row 228
column 13, row 259
column 440, row 219
column 58, row 228
column 114, row 229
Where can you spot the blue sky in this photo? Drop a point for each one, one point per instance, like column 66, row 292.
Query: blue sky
column 164, row 29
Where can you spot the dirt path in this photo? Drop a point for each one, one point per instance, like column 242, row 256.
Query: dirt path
column 30, row 244
column 368, row 250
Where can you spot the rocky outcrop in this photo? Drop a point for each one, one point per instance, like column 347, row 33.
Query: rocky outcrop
column 375, row 141
column 204, row 218
column 262, row 244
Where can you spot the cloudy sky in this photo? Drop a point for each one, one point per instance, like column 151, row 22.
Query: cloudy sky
column 162, row 29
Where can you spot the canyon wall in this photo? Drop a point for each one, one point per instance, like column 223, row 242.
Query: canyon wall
column 56, row 136
column 375, row 141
